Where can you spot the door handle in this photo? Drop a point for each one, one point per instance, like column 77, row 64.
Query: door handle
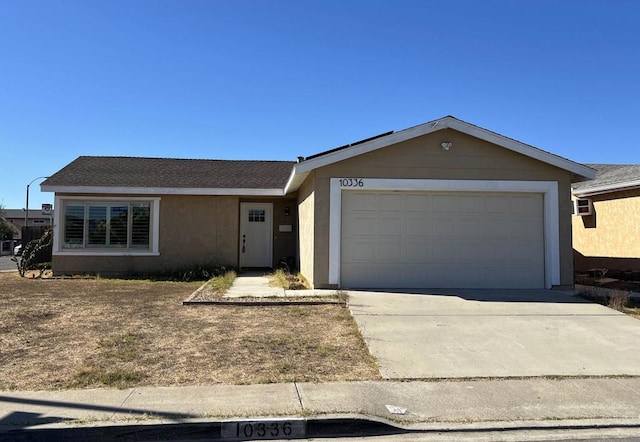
column 244, row 241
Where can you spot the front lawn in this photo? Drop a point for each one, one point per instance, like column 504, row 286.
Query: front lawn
column 84, row 333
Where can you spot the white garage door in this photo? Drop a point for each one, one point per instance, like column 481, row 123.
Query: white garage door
column 442, row 239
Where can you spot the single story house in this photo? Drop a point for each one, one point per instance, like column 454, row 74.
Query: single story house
column 606, row 228
column 442, row 204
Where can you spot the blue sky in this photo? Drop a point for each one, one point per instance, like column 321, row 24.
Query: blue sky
column 277, row 79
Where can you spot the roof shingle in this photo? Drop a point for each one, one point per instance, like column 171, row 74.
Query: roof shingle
column 610, row 175
column 95, row 171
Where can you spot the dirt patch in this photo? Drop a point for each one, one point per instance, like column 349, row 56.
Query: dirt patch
column 58, row 334
column 609, row 281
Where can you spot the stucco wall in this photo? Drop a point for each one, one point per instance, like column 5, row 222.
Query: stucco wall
column 193, row 230
column 613, row 231
column 306, row 210
column 422, row 157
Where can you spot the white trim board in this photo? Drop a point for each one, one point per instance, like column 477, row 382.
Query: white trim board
column 549, row 189
column 162, row 191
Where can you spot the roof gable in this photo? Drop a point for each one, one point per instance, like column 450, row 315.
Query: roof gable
column 302, row 169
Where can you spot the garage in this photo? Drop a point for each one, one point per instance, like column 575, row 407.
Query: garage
column 442, row 239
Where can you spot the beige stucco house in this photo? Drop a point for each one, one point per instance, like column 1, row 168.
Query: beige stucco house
column 442, row 204
column 606, row 225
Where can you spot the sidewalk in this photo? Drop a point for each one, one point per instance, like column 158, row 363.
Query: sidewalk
column 329, row 408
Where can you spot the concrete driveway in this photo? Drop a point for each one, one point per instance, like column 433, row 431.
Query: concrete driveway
column 485, row 333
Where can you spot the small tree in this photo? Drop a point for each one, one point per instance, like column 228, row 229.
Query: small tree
column 30, row 254
column 7, row 230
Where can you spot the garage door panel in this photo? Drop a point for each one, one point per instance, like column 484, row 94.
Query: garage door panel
column 390, row 203
column 444, row 204
column 523, row 253
column 360, row 201
column 524, row 205
column 523, row 228
column 390, row 225
column 357, row 224
column 470, row 204
column 389, row 251
column 494, row 229
column 469, row 226
column 361, row 250
column 443, row 226
column 418, row 203
column 442, row 250
column 442, row 239
column 497, row 204
column 418, row 224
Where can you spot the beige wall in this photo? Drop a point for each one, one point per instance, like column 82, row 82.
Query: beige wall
column 306, row 210
column 613, row 231
column 422, row 157
column 193, row 230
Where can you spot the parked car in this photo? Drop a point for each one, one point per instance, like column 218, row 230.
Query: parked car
column 17, row 250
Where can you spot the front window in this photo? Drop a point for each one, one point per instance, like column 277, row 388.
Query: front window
column 123, row 225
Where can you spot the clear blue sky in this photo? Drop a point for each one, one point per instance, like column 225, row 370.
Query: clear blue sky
column 274, row 79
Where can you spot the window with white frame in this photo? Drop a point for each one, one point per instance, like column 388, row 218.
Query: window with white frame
column 113, row 225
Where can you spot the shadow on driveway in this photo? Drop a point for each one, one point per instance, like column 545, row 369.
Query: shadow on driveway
column 490, row 295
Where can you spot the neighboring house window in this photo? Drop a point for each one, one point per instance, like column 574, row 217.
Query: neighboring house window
column 125, row 225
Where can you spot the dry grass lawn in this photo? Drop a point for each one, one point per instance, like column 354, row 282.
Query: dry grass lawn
column 82, row 333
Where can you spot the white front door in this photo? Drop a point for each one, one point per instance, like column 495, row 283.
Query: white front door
column 256, row 234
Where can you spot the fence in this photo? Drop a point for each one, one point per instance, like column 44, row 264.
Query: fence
column 31, row 233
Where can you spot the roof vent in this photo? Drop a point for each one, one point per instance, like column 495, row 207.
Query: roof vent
column 582, row 207
column 300, row 159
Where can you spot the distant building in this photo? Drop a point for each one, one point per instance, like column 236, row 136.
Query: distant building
column 36, row 218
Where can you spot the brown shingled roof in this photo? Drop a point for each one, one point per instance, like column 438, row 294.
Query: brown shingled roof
column 172, row 173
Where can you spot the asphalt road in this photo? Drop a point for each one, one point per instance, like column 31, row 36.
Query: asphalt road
column 6, row 263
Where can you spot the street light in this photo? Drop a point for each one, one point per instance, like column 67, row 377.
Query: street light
column 26, row 213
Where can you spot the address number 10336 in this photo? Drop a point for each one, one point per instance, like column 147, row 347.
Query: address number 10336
column 351, row 182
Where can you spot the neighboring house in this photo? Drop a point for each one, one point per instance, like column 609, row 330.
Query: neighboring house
column 16, row 217
column 606, row 228
column 36, row 218
column 442, row 204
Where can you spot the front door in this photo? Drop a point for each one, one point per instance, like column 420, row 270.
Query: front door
column 256, row 234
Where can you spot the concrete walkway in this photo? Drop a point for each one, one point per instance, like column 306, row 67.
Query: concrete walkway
column 253, row 285
column 443, row 406
column 257, row 285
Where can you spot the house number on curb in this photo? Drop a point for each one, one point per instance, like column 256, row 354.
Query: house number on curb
column 264, row 430
column 351, row 182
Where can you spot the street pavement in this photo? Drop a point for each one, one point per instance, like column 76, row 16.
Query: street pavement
column 6, row 264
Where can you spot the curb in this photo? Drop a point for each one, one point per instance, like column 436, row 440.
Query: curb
column 257, row 303
column 301, row 428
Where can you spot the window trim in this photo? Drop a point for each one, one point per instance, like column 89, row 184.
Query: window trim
column 154, row 225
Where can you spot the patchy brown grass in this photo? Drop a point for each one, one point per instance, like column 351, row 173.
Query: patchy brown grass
column 83, row 333
column 288, row 281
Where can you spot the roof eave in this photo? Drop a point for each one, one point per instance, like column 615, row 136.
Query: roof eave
column 608, row 188
column 162, row 190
